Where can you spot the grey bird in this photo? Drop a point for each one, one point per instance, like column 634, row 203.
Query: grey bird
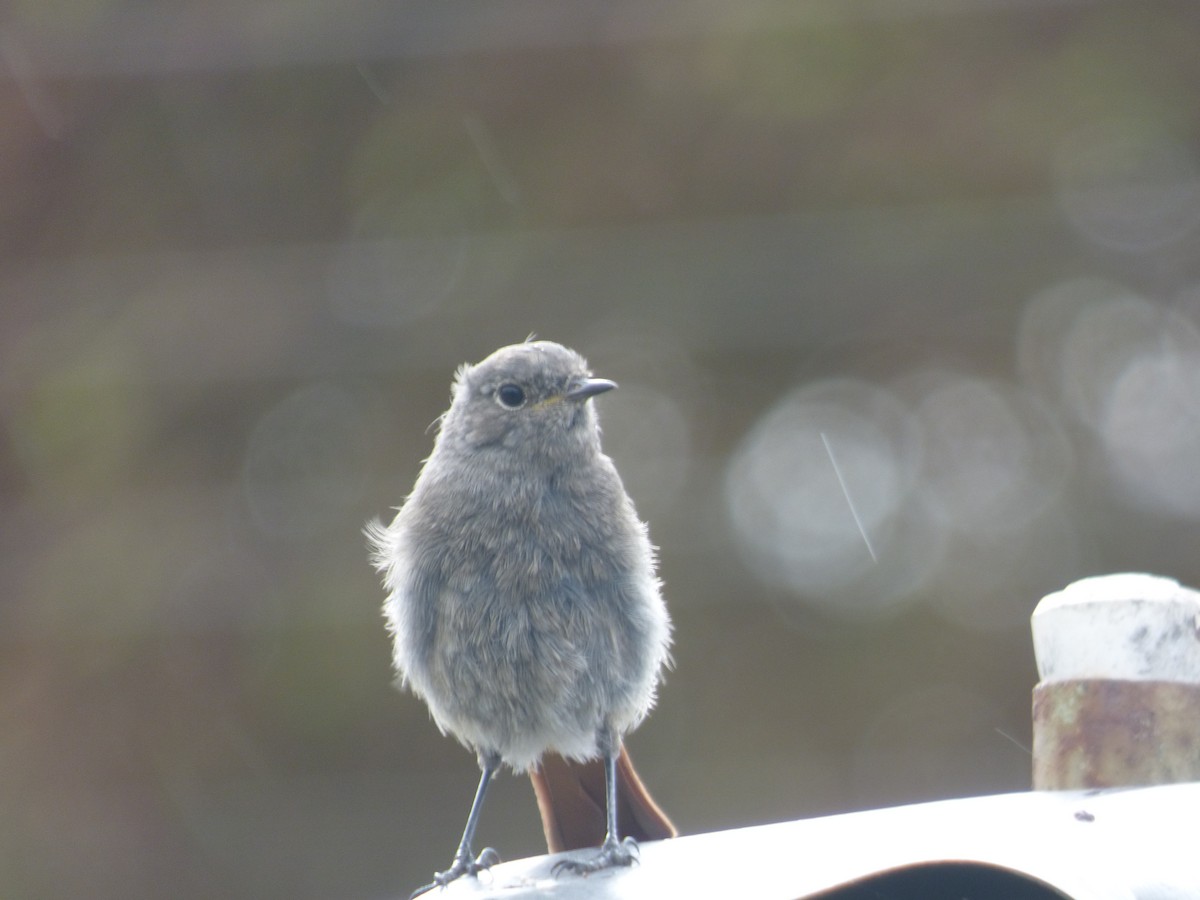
column 522, row 597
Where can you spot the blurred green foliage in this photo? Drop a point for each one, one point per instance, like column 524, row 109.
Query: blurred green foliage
column 246, row 244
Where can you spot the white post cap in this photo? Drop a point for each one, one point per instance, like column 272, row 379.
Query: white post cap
column 1129, row 626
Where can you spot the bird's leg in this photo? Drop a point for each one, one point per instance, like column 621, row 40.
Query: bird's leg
column 614, row 851
column 465, row 862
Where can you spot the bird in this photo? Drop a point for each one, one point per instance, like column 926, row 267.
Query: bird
column 524, row 605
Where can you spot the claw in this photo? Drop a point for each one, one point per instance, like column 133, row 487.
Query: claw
column 462, row 865
column 613, row 853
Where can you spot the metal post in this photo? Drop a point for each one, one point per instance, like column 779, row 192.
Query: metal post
column 1119, row 699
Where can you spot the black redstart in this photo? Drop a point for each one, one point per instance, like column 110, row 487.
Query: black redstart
column 522, row 597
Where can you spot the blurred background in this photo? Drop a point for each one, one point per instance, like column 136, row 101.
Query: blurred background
column 904, row 301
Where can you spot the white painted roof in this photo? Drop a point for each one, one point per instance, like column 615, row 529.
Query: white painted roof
column 1120, row 844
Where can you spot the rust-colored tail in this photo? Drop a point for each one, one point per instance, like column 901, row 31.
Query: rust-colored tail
column 570, row 797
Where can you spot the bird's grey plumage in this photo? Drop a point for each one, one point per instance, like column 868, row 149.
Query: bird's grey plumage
column 522, row 596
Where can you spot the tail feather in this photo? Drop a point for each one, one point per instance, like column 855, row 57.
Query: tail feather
column 570, row 797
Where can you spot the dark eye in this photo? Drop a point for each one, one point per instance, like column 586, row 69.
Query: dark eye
column 510, row 396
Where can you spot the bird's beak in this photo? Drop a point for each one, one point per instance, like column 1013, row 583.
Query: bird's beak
column 589, row 387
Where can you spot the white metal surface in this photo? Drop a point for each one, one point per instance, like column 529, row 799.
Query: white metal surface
column 1130, row 844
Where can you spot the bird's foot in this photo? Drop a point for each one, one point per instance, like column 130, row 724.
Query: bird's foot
column 462, row 865
column 612, row 853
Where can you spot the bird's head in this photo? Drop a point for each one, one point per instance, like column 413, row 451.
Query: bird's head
column 531, row 398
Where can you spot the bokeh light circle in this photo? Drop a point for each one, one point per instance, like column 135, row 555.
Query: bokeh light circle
column 994, row 456
column 647, row 434
column 815, row 490
column 305, row 465
column 1126, row 184
column 1151, row 431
